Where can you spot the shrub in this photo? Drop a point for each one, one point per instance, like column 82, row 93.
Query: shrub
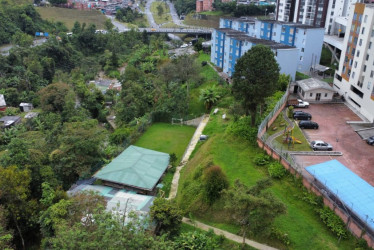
column 290, row 111
column 196, row 240
column 120, row 135
column 333, row 222
column 276, row 170
column 214, row 182
column 173, row 159
column 262, row 160
column 242, row 129
column 283, row 237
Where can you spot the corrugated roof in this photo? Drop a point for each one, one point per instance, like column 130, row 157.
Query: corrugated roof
column 314, row 83
column 137, row 167
column 354, row 192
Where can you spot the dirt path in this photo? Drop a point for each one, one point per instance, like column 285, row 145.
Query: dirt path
column 186, row 156
column 228, row 235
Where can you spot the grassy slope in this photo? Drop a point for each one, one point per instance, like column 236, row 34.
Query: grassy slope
column 167, row 138
column 212, row 21
column 235, row 157
column 69, row 16
column 165, row 17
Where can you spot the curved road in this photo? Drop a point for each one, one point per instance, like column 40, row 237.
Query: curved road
column 148, row 12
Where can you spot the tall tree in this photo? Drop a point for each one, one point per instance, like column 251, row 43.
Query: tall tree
column 255, row 78
column 253, row 208
column 209, row 96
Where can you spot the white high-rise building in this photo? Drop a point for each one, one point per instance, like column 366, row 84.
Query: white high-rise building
column 355, row 77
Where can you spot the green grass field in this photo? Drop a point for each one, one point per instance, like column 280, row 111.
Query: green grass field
column 70, row 16
column 167, row 138
column 235, row 157
column 165, row 17
column 211, row 21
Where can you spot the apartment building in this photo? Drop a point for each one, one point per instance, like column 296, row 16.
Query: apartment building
column 307, row 39
column 355, row 77
column 229, row 45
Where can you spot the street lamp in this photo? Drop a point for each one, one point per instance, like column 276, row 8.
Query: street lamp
column 265, row 11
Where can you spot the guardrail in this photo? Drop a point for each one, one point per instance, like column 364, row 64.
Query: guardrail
column 175, row 30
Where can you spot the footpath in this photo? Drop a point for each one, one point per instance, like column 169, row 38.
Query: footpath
column 190, row 148
column 228, row 235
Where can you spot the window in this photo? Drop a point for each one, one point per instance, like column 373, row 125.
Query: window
column 365, row 18
column 360, row 42
column 262, row 25
column 282, row 37
column 353, row 51
column 291, row 31
column 355, row 64
column 290, row 39
column 274, row 33
column 350, row 62
column 350, row 39
column 302, row 49
column 325, row 94
column 367, row 57
column 355, row 41
column 301, row 58
column 360, row 18
column 353, row 75
column 364, row 70
column 311, row 94
column 262, row 33
column 283, row 29
column 358, row 29
column 355, row 16
column 369, row 46
column 372, row 74
column 363, row 30
column 358, row 53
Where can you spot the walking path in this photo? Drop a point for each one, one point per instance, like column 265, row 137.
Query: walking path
column 270, row 139
column 186, row 156
column 228, row 235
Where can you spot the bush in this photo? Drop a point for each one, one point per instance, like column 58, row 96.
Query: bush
column 242, row 129
column 262, row 160
column 196, row 240
column 290, row 111
column 120, row 135
column 276, row 170
column 333, row 222
column 214, row 182
column 283, row 237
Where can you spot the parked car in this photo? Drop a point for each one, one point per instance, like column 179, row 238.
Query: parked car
column 302, row 104
column 302, row 116
column 308, row 124
column 370, row 140
column 321, row 145
column 184, row 45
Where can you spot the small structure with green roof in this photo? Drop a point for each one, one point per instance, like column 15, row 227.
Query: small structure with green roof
column 138, row 169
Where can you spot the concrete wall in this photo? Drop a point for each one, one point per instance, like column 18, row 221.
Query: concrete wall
column 311, row 95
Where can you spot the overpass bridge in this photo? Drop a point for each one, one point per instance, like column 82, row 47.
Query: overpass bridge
column 182, row 30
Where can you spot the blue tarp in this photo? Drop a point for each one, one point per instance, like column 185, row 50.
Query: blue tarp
column 352, row 190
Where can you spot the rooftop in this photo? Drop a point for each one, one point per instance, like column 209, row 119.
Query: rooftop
column 244, row 37
column 136, row 167
column 355, row 193
column 251, row 19
column 9, row 120
column 314, row 83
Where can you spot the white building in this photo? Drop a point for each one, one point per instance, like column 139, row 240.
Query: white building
column 314, row 90
column 355, row 77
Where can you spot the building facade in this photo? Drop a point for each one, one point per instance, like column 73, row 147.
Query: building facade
column 355, row 77
column 307, row 39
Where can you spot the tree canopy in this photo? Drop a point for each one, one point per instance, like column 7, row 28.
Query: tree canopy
column 255, row 78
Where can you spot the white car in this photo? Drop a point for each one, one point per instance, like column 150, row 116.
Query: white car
column 184, row 45
column 302, row 104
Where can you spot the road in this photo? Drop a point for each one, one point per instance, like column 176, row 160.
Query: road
column 120, row 26
column 174, row 14
column 4, row 50
column 148, row 12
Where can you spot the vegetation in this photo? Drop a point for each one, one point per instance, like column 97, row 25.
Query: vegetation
column 128, row 15
column 236, row 157
column 210, row 21
column 70, row 16
column 160, row 12
column 255, row 78
column 243, row 10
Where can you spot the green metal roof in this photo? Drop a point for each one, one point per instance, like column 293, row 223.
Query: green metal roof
column 137, row 167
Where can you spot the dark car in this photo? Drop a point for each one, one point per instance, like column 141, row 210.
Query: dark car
column 308, row 124
column 321, row 145
column 370, row 140
column 302, row 116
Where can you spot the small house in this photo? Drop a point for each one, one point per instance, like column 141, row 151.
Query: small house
column 2, row 103
column 25, row 107
column 8, row 121
column 314, row 90
column 136, row 169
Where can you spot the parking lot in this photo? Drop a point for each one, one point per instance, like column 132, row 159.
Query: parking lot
column 358, row 156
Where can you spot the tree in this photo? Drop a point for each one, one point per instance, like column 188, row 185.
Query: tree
column 52, row 97
column 283, row 82
column 255, row 78
column 108, row 25
column 167, row 215
column 5, row 235
column 214, row 181
column 209, row 96
column 21, row 39
column 253, row 208
column 160, row 10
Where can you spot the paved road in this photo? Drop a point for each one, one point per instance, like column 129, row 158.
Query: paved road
column 148, row 12
column 120, row 26
column 228, row 235
column 5, row 49
column 174, row 14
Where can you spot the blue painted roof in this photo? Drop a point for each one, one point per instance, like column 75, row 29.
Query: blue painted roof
column 351, row 189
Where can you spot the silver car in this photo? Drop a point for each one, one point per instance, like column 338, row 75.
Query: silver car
column 321, row 145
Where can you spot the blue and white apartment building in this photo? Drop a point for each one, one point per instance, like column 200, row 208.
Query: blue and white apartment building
column 297, row 47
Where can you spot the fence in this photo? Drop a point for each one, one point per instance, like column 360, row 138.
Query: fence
column 353, row 222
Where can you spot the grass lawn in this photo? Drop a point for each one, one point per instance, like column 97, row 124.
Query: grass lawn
column 167, row 138
column 301, row 76
column 70, row 16
column 211, row 21
column 226, row 244
column 235, row 156
column 170, row 25
column 165, row 17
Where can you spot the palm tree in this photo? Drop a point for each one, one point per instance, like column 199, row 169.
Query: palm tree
column 209, row 96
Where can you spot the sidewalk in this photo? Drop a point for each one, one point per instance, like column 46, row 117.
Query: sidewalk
column 228, row 235
column 186, row 156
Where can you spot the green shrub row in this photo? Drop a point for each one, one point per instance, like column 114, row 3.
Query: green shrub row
column 333, row 222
